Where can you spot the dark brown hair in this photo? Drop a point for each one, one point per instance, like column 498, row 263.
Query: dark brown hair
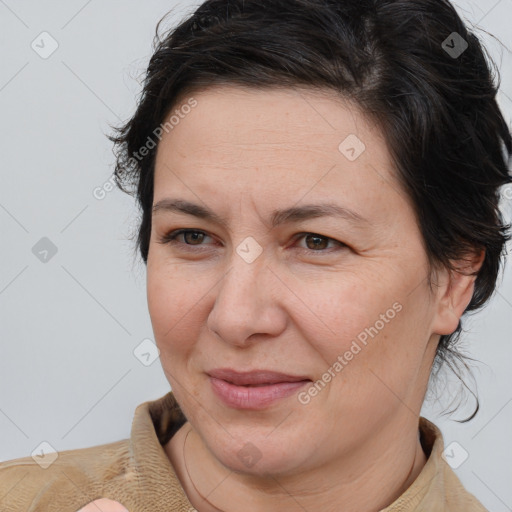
column 411, row 65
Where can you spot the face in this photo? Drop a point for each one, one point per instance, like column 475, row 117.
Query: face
column 339, row 298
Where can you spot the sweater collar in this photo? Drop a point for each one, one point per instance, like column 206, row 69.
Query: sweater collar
column 154, row 423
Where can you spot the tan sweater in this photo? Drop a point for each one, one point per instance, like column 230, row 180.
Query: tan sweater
column 137, row 473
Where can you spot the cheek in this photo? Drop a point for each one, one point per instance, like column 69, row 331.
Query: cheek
column 342, row 309
column 173, row 300
column 359, row 326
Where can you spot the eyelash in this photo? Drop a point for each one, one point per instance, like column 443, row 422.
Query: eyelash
column 170, row 238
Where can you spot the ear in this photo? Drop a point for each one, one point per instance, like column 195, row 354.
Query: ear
column 455, row 290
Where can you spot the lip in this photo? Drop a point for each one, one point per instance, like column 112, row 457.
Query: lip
column 256, row 377
column 231, row 387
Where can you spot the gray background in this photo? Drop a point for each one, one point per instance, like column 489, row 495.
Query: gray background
column 69, row 327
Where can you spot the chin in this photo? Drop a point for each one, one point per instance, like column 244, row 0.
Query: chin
column 258, row 457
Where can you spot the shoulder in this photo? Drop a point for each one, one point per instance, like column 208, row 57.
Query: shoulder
column 457, row 496
column 66, row 480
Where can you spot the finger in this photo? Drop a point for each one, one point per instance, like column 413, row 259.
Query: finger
column 104, row 505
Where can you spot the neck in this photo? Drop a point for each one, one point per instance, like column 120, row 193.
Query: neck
column 367, row 479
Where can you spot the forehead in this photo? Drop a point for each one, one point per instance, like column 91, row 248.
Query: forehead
column 248, row 117
column 272, row 143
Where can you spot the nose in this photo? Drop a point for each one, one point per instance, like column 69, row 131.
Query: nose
column 248, row 305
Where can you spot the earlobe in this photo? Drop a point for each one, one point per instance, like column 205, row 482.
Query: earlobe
column 455, row 293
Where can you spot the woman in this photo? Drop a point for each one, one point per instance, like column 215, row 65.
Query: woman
column 319, row 185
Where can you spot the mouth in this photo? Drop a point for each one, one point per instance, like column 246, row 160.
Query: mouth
column 254, row 390
column 254, row 378
column 254, row 385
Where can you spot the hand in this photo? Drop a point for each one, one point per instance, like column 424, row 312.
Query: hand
column 103, row 505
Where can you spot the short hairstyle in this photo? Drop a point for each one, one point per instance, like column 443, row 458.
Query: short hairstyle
column 412, row 66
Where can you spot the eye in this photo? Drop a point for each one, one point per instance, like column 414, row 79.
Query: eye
column 196, row 236
column 317, row 243
column 192, row 237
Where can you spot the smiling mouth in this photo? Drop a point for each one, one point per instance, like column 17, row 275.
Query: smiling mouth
column 254, row 396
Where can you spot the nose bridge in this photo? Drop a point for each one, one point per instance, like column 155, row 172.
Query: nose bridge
column 240, row 288
column 243, row 303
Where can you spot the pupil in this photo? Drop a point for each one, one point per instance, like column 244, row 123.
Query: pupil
column 316, row 238
column 194, row 235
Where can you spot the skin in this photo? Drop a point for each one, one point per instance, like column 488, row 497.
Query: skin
column 104, row 505
column 295, row 308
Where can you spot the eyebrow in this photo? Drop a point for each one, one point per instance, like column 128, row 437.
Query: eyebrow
column 278, row 217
